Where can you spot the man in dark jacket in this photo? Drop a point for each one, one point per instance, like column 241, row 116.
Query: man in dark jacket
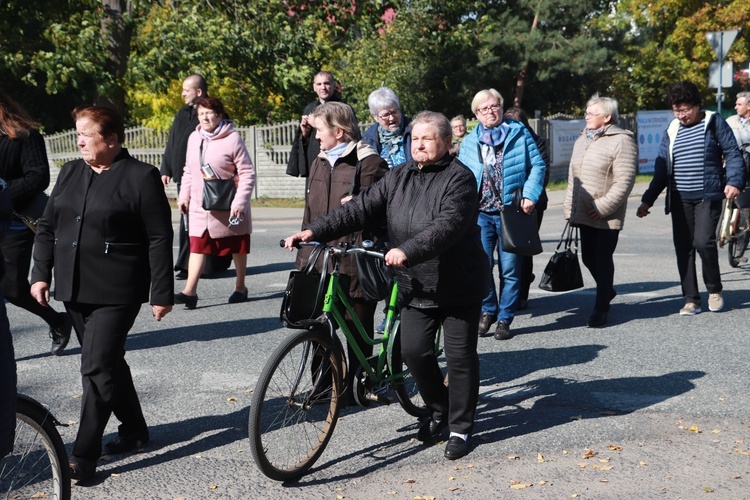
column 173, row 162
column 306, row 147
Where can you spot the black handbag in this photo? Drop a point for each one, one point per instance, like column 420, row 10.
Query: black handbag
column 305, row 289
column 520, row 231
column 563, row 272
column 218, row 194
column 32, row 212
column 374, row 276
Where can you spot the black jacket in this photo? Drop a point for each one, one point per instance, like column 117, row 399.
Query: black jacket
column 184, row 124
column 108, row 235
column 431, row 215
column 24, row 166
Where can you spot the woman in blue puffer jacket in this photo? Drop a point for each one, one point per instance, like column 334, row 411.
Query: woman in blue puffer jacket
column 503, row 156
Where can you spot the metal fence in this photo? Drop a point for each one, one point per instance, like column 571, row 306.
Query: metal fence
column 268, row 145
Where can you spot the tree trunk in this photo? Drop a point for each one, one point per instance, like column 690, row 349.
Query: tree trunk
column 117, row 33
column 523, row 75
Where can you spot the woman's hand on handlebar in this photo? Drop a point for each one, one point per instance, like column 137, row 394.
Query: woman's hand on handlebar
column 290, row 241
column 396, row 258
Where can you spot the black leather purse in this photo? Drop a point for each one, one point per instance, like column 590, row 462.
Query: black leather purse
column 305, row 289
column 563, row 272
column 520, row 231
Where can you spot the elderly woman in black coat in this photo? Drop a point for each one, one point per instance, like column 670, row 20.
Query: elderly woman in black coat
column 430, row 207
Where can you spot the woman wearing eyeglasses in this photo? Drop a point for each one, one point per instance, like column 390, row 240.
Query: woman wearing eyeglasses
column 216, row 148
column 503, row 156
column 391, row 135
column 700, row 164
column 600, row 178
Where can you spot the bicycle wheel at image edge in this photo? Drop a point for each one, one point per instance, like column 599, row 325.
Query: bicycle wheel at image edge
column 406, row 390
column 291, row 418
column 736, row 246
column 37, row 467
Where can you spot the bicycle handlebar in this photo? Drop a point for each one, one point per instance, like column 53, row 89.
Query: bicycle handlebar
column 338, row 251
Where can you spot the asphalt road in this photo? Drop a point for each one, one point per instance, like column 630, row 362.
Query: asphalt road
column 655, row 405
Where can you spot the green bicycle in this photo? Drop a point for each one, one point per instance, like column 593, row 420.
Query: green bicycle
column 296, row 402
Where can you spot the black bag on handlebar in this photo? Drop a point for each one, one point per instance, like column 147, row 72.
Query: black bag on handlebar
column 303, row 298
column 374, row 277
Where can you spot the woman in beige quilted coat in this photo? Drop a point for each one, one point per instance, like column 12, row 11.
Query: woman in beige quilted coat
column 600, row 178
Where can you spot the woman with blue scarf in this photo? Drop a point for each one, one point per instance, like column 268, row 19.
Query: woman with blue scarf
column 390, row 136
column 503, row 156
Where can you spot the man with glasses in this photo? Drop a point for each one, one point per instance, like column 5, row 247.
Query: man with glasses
column 699, row 163
column 306, row 147
column 504, row 158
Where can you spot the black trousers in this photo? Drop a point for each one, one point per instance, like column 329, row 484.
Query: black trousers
column 7, row 385
column 16, row 247
column 458, row 401
column 107, row 383
column 694, row 230
column 597, row 248
column 527, row 266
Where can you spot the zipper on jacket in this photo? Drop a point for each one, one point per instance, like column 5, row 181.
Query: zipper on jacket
column 106, row 247
column 415, row 198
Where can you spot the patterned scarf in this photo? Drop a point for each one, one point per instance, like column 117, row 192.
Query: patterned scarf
column 392, row 145
column 591, row 134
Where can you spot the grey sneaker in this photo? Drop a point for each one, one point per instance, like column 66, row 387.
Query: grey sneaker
column 690, row 309
column 715, row 302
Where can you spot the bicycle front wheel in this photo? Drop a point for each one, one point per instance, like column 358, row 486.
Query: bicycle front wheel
column 38, row 465
column 406, row 388
column 296, row 404
column 737, row 245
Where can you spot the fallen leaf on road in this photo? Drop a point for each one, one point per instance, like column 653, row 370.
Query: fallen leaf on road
column 582, row 465
column 716, row 431
column 513, row 457
column 249, row 391
column 520, row 486
column 588, row 453
column 457, row 467
column 451, row 478
column 604, row 460
column 614, row 447
column 694, row 428
column 642, row 463
column 576, row 417
column 72, row 422
column 565, row 452
column 213, row 487
column 339, row 489
column 455, row 488
column 602, row 467
column 708, row 490
column 742, row 452
column 470, row 466
column 114, row 474
column 539, row 457
column 197, row 456
column 575, row 495
column 232, row 399
column 77, row 396
column 541, row 483
column 408, row 481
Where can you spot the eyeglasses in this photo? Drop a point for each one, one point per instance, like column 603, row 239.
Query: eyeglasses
column 388, row 114
column 486, row 110
column 683, row 112
column 591, row 115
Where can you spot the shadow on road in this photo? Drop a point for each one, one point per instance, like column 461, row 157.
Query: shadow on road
column 557, row 401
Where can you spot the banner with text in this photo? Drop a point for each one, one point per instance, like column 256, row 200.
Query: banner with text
column 563, row 134
column 651, row 128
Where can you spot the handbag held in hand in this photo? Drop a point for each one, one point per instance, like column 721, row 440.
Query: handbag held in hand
column 520, row 231
column 563, row 272
column 303, row 298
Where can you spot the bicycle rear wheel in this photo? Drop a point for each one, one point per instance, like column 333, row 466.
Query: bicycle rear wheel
column 737, row 245
column 406, row 389
column 38, row 465
column 296, row 404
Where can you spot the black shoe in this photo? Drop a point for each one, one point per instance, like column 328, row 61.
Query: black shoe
column 80, row 469
column 181, row 275
column 485, row 322
column 597, row 319
column 238, row 297
column 430, row 430
column 123, row 444
column 190, row 301
column 456, row 448
column 60, row 335
column 502, row 331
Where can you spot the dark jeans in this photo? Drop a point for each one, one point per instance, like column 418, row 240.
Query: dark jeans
column 597, row 248
column 458, row 401
column 16, row 247
column 694, row 230
column 107, row 383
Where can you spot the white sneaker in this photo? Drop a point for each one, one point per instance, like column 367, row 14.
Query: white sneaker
column 715, row 302
column 690, row 309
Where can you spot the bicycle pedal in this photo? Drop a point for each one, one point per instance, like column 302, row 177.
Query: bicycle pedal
column 378, row 398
